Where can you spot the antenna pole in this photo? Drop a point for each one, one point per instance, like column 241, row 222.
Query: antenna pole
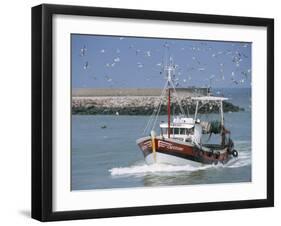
column 196, row 110
column 221, row 111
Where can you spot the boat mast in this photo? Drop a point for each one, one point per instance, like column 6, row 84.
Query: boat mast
column 169, row 70
column 222, row 125
column 169, row 111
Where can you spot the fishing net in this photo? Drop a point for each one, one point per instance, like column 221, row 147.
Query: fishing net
column 215, row 127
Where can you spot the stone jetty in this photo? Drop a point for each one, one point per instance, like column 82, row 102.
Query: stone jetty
column 139, row 102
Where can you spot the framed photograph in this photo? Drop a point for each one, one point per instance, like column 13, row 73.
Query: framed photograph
column 146, row 112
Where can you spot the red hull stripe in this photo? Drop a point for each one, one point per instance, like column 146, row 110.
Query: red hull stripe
column 183, row 151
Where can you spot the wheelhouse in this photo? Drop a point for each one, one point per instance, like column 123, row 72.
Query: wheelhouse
column 180, row 128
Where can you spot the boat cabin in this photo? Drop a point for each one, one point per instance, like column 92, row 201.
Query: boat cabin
column 180, row 128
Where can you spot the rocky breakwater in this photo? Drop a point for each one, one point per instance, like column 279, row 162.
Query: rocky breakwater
column 140, row 105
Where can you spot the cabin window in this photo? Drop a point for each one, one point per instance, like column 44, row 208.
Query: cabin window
column 182, row 131
column 176, row 130
column 188, row 131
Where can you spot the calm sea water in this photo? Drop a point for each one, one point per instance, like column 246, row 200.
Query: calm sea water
column 109, row 157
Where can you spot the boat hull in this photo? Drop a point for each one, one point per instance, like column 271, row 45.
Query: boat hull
column 170, row 151
column 169, row 159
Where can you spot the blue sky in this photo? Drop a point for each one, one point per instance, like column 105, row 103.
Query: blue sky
column 136, row 62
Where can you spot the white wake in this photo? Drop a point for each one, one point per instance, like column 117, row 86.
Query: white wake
column 154, row 168
column 243, row 159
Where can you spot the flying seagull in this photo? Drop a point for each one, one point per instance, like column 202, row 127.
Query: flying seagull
column 86, row 65
column 83, row 51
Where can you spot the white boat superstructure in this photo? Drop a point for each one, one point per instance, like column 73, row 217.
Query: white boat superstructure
column 181, row 128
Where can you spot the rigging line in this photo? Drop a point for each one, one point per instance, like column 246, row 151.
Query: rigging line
column 149, row 121
column 187, row 108
column 159, row 107
column 160, row 104
column 156, row 116
column 151, row 117
column 154, row 111
column 181, row 108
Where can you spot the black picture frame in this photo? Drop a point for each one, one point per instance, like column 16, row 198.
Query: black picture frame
column 42, row 111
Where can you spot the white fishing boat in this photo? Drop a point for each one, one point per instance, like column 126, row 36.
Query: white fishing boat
column 179, row 141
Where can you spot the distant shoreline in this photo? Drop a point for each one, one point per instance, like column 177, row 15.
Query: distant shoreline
column 113, row 92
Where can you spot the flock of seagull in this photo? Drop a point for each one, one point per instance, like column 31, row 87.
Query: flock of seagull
column 184, row 74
